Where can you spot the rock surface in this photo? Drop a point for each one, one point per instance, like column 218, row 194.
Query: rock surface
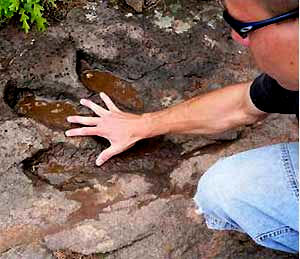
column 137, row 5
column 54, row 201
column 30, row 251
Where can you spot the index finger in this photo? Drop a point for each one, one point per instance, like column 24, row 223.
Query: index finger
column 94, row 107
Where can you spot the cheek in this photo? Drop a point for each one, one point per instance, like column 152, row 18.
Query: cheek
column 274, row 56
column 265, row 54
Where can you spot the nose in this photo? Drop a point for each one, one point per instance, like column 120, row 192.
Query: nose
column 245, row 42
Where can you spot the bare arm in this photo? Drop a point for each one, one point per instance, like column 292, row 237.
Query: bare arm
column 209, row 113
column 214, row 112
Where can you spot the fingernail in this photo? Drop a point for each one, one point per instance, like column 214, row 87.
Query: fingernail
column 82, row 101
column 67, row 133
column 99, row 162
column 68, row 119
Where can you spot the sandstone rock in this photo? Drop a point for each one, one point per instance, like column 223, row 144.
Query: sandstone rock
column 189, row 172
column 153, row 224
column 53, row 70
column 138, row 204
column 31, row 251
column 27, row 213
column 85, row 238
column 97, row 235
column 176, row 236
column 190, row 143
column 137, row 5
column 19, row 139
column 133, row 185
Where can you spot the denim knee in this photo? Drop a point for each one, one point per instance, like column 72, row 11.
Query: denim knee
column 215, row 192
column 254, row 192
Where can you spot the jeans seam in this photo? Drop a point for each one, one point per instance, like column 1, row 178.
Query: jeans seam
column 214, row 221
column 274, row 233
column 289, row 170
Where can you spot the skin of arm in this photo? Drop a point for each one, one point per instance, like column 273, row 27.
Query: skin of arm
column 210, row 113
column 214, row 112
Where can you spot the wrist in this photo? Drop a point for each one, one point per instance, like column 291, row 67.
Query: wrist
column 152, row 125
column 146, row 125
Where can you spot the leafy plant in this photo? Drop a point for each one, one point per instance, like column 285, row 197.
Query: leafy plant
column 29, row 12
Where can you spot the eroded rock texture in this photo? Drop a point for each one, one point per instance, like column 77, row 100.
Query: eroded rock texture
column 54, row 201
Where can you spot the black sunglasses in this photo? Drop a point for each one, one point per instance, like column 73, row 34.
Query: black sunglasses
column 243, row 28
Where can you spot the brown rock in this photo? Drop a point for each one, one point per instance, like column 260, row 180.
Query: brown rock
column 137, row 5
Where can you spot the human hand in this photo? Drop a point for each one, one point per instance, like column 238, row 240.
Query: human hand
column 120, row 128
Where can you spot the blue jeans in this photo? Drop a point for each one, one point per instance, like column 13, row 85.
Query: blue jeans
column 255, row 192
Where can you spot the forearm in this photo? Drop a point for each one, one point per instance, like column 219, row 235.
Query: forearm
column 206, row 114
column 210, row 113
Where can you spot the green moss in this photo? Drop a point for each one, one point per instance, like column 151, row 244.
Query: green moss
column 28, row 12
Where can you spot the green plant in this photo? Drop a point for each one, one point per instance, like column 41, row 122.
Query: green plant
column 29, row 12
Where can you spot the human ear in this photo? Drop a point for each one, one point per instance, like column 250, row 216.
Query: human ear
column 243, row 41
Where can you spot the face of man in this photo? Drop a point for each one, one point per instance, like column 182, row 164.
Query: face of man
column 274, row 47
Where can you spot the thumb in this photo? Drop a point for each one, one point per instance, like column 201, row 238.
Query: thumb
column 105, row 155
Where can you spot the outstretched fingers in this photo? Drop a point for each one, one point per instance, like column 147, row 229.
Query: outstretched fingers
column 94, row 107
column 89, row 121
column 85, row 131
